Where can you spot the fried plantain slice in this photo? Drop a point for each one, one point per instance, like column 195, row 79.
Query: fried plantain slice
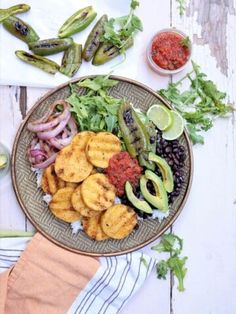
column 81, row 139
column 97, row 192
column 61, row 206
column 118, row 221
column 72, row 165
column 50, row 182
column 92, row 228
column 101, row 147
column 79, row 206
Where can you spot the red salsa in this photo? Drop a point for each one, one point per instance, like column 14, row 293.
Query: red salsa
column 169, row 51
column 122, row 167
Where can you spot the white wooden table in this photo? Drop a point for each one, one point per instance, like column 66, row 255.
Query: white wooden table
column 208, row 221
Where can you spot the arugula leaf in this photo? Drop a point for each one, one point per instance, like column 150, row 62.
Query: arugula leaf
column 98, row 83
column 96, row 110
column 199, row 105
column 172, row 244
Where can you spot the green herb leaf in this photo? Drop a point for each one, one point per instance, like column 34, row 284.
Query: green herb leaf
column 186, row 42
column 177, row 266
column 118, row 31
column 199, row 105
column 96, row 110
column 162, row 269
column 169, row 243
column 172, row 244
column 181, row 7
column 134, row 4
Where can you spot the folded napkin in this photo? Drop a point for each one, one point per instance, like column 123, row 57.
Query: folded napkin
column 39, row 277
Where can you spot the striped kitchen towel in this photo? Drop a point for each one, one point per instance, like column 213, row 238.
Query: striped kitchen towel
column 39, row 277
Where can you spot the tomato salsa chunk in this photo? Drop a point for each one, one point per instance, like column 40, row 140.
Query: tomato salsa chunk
column 122, row 167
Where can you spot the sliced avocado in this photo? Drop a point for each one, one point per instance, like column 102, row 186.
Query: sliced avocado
column 166, row 172
column 144, row 161
column 140, row 204
column 160, row 200
column 3, row 161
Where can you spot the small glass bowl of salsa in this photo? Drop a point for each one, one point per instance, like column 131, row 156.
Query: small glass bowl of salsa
column 169, row 51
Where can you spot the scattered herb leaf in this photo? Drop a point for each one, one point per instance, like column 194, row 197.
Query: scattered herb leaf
column 119, row 30
column 172, row 244
column 186, row 42
column 181, row 7
column 199, row 105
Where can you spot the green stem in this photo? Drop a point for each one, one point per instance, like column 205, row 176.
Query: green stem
column 13, row 233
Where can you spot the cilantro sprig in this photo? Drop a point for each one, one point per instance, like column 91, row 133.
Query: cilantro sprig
column 120, row 30
column 200, row 105
column 172, row 244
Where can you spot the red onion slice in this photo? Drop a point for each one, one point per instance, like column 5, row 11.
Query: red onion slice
column 59, row 143
column 47, row 135
column 46, row 163
column 42, row 124
column 49, row 112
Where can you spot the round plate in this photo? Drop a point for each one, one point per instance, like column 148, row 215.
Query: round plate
column 30, row 197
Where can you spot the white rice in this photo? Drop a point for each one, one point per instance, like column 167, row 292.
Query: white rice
column 160, row 215
column 39, row 174
column 47, row 198
column 76, row 226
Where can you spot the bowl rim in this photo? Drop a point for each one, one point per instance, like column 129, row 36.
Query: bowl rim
column 39, row 228
column 156, row 67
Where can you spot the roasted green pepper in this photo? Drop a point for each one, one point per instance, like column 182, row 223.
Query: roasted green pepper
column 71, row 60
column 77, row 22
column 93, row 40
column 15, row 9
column 51, row 46
column 39, row 62
column 20, row 29
column 108, row 51
column 133, row 131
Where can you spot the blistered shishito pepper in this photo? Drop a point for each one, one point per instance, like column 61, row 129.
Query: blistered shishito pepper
column 15, row 9
column 93, row 41
column 20, row 29
column 51, row 46
column 108, row 51
column 71, row 60
column 77, row 22
column 133, row 131
column 39, row 62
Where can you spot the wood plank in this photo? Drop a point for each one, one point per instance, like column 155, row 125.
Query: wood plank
column 208, row 222
column 11, row 216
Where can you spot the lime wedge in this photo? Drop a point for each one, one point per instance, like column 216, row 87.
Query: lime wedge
column 176, row 128
column 3, row 161
column 160, row 116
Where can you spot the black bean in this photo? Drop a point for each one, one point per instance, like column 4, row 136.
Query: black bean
column 176, row 161
column 168, row 149
column 171, row 163
column 181, row 164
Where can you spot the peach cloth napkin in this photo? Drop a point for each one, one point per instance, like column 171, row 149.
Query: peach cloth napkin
column 39, row 277
column 42, row 285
